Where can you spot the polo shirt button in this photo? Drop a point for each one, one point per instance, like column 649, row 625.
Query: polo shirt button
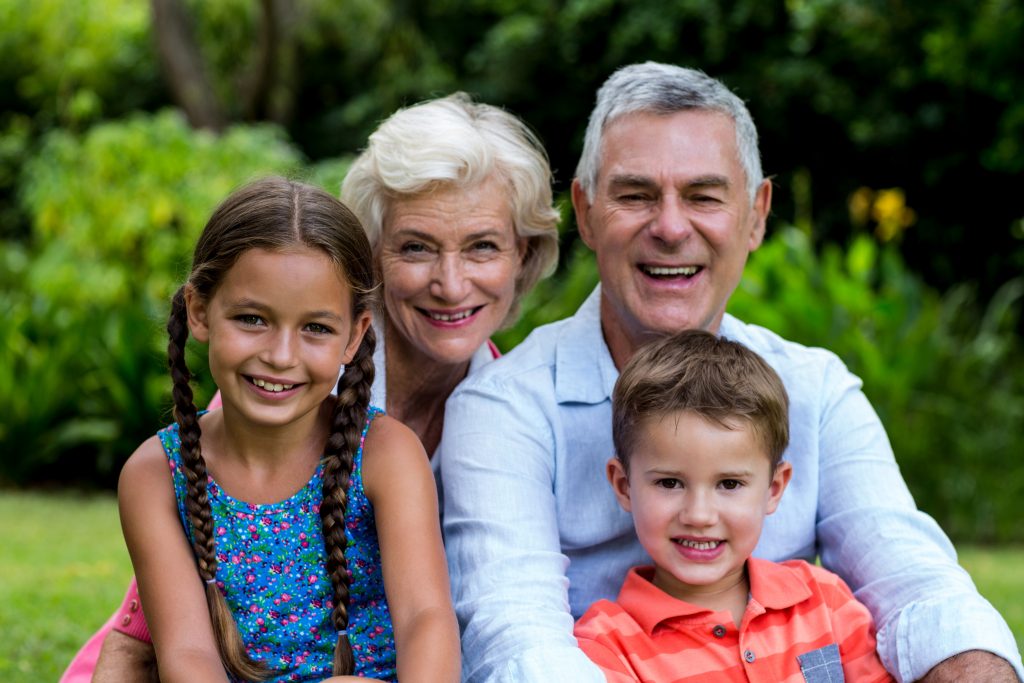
column 133, row 605
column 718, row 631
column 749, row 655
column 126, row 620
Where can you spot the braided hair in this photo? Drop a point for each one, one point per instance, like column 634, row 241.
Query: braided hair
column 274, row 214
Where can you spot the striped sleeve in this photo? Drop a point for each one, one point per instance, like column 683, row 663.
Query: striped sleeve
column 594, row 633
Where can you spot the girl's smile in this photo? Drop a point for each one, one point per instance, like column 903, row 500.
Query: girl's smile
column 279, row 328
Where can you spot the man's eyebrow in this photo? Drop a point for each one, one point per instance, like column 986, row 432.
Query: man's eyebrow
column 710, row 180
column 631, row 180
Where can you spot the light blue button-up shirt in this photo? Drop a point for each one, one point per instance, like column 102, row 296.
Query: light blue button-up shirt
column 534, row 534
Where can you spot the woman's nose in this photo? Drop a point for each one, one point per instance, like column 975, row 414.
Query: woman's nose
column 449, row 281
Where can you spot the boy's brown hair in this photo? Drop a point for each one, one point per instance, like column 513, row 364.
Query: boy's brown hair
column 718, row 379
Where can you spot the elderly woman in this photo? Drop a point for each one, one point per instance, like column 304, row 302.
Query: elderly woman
column 456, row 199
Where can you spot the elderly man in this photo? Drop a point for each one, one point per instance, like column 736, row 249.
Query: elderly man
column 669, row 194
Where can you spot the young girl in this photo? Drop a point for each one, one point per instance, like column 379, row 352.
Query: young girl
column 291, row 535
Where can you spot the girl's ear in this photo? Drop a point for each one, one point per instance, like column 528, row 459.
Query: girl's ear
column 783, row 473
column 356, row 334
column 198, row 321
column 619, row 480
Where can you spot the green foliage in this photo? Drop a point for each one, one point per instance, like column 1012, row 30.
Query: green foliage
column 116, row 213
column 946, row 379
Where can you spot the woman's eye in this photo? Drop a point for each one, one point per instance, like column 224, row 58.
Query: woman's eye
column 414, row 248
column 485, row 245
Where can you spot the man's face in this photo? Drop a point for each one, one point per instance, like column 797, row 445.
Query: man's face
column 671, row 224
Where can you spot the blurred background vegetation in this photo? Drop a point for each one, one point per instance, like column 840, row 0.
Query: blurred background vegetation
column 894, row 132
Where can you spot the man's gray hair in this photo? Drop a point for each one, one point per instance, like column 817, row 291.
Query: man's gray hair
column 665, row 89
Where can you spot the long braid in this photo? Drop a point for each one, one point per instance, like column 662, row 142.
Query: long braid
column 229, row 641
column 342, row 444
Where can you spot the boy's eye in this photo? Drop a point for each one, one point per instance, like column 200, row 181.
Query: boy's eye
column 731, row 484
column 669, row 483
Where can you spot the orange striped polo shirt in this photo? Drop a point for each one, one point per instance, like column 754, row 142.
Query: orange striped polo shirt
column 802, row 624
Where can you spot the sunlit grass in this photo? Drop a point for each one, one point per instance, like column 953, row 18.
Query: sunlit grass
column 63, row 570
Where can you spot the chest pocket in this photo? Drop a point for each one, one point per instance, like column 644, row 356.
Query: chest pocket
column 822, row 665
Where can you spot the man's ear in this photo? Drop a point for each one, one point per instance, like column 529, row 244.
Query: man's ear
column 581, row 207
column 198, row 315
column 783, row 473
column 355, row 337
column 617, row 477
column 759, row 213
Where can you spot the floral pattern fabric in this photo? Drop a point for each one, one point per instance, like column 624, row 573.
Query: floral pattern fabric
column 271, row 566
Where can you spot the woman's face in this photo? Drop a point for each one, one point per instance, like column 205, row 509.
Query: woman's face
column 449, row 260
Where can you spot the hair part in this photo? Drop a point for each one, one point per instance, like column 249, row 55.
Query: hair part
column 276, row 214
column 715, row 378
column 665, row 89
column 453, row 142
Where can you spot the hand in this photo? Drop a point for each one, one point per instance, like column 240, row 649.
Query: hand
column 973, row 665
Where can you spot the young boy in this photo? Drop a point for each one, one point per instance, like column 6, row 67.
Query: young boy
column 700, row 425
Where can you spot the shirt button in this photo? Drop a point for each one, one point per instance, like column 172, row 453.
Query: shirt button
column 718, row 631
column 133, row 605
column 749, row 655
column 126, row 620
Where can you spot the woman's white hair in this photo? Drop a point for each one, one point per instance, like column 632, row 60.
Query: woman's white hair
column 666, row 89
column 455, row 142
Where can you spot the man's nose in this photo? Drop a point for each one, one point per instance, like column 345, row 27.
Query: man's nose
column 671, row 225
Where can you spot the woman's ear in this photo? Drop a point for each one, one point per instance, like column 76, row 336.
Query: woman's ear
column 198, row 320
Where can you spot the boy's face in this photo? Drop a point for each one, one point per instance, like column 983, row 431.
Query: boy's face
column 698, row 493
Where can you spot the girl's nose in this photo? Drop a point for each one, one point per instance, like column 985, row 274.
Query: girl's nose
column 281, row 349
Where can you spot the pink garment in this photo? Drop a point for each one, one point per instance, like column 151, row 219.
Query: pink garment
column 128, row 619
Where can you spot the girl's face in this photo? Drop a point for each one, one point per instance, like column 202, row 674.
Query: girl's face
column 279, row 327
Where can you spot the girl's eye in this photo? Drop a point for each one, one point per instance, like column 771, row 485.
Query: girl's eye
column 731, row 484
column 250, row 319
column 317, row 328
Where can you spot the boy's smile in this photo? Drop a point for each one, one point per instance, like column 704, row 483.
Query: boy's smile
column 699, row 492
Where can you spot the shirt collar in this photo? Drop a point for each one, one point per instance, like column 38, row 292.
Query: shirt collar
column 584, row 369
column 772, row 586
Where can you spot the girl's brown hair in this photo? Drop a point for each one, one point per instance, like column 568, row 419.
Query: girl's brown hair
column 276, row 214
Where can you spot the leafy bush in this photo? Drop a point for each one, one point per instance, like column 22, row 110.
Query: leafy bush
column 115, row 214
column 945, row 374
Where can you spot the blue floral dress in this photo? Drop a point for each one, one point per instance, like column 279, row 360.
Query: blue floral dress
column 271, row 566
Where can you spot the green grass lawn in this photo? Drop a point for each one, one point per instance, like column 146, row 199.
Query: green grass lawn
column 63, row 570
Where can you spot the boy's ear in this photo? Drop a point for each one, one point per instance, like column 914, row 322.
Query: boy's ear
column 619, row 480
column 198, row 320
column 783, row 473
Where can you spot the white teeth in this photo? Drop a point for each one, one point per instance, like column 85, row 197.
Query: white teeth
column 699, row 545
column 683, row 270
column 445, row 318
column 270, row 386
